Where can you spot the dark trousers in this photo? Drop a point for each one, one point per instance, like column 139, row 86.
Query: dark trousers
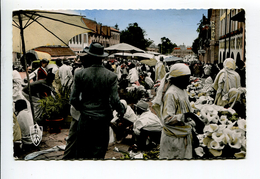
column 70, row 150
column 140, row 140
column 93, row 137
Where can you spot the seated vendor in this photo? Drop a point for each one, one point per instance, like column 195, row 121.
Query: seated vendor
column 25, row 120
column 123, row 126
column 147, row 124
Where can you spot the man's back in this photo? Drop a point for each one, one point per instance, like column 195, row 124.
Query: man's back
column 98, row 87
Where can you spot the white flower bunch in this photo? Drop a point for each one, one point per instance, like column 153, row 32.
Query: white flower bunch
column 225, row 135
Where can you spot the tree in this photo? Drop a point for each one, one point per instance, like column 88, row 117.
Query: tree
column 166, row 47
column 203, row 39
column 134, row 35
column 195, row 46
column 116, row 27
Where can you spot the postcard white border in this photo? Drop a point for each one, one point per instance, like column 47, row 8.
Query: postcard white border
column 248, row 168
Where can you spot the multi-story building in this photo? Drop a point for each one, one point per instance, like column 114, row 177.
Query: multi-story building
column 213, row 49
column 232, row 34
column 222, row 35
column 182, row 51
column 106, row 35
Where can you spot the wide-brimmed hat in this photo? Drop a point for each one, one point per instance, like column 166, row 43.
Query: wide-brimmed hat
column 96, row 49
column 142, row 105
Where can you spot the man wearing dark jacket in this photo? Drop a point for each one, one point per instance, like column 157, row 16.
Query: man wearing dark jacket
column 95, row 95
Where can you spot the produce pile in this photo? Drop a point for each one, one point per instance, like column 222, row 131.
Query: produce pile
column 198, row 88
column 224, row 132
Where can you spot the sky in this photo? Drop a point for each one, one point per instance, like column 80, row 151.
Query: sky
column 177, row 25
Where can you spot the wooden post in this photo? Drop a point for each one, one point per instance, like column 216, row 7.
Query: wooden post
column 26, row 69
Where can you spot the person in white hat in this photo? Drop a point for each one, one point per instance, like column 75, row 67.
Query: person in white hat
column 172, row 107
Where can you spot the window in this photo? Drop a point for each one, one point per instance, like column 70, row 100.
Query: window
column 238, row 57
column 232, row 55
column 219, row 57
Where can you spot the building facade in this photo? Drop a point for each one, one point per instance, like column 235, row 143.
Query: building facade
column 105, row 35
column 222, row 35
column 231, row 34
column 209, row 37
column 182, row 51
column 212, row 55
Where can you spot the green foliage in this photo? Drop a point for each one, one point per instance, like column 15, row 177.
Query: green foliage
column 153, row 154
column 116, row 27
column 234, row 117
column 166, row 47
column 55, row 107
column 126, row 155
column 195, row 46
column 134, row 35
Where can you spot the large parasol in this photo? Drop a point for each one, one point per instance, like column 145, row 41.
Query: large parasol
column 124, row 47
column 34, row 28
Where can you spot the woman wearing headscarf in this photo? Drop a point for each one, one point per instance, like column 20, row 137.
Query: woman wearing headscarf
column 173, row 108
column 226, row 79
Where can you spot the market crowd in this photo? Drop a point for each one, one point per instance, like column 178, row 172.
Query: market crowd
column 185, row 109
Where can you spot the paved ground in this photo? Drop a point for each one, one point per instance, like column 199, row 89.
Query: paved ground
column 50, row 140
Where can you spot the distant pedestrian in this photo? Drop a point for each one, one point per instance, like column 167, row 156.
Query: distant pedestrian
column 159, row 70
column 65, row 73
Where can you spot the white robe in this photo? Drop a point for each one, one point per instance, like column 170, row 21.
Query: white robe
column 65, row 74
column 159, row 71
column 148, row 121
column 25, row 121
column 176, row 141
column 133, row 75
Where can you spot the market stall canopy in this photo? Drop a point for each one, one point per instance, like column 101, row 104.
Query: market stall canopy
column 143, row 55
column 172, row 59
column 153, row 53
column 120, row 54
column 150, row 62
column 45, row 28
column 40, row 55
column 124, row 47
column 57, row 51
